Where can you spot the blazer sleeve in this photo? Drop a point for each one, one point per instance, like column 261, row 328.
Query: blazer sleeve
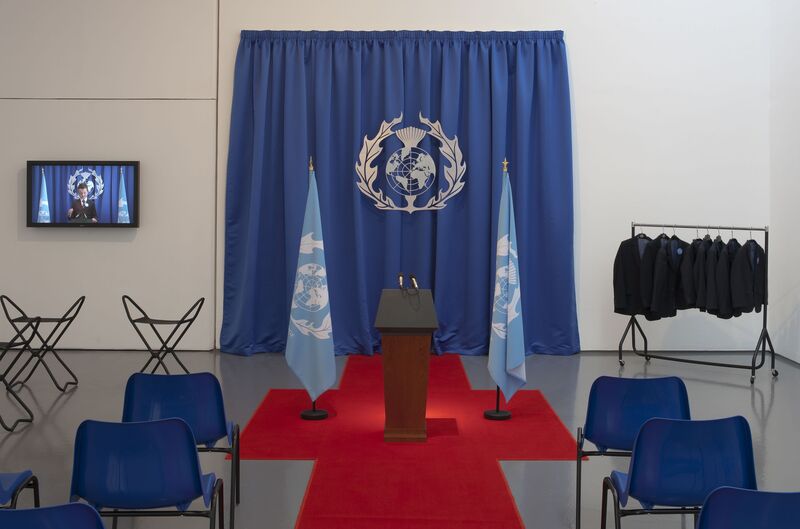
column 760, row 282
column 620, row 290
column 647, row 271
column 699, row 278
column 723, row 280
column 687, row 275
column 742, row 282
column 712, row 304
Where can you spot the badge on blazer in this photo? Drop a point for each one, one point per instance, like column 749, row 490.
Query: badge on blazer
column 410, row 171
column 93, row 181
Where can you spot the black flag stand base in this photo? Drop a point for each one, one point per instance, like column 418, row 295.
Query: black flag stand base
column 313, row 414
column 497, row 414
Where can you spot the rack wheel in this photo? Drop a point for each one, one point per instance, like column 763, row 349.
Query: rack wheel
column 622, row 362
column 774, row 372
column 752, row 379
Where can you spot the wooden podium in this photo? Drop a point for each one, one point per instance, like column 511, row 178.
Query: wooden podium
column 406, row 320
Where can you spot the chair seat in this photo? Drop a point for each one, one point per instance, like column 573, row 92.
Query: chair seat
column 620, row 482
column 30, row 319
column 208, row 487
column 156, row 321
column 207, row 482
column 10, row 483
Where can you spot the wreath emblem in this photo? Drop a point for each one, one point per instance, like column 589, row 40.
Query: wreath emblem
column 89, row 177
column 410, row 170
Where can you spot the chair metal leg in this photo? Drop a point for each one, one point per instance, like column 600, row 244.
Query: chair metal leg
column 13, row 394
column 237, row 457
column 30, row 483
column 608, row 486
column 579, row 460
column 217, row 510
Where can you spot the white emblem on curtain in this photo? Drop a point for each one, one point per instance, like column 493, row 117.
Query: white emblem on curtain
column 410, row 171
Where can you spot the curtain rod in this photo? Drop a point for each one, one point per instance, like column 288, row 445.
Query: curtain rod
column 698, row 226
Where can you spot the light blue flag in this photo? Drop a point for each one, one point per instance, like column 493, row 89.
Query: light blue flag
column 309, row 346
column 122, row 206
column 506, row 342
column 44, row 204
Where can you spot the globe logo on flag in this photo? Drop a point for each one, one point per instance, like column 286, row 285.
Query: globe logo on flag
column 506, row 279
column 311, row 287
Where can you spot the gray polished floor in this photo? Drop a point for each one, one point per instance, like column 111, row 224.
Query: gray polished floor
column 544, row 491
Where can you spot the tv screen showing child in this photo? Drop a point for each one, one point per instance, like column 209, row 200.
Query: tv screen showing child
column 83, row 194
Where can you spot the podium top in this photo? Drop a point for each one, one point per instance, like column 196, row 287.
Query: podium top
column 406, row 312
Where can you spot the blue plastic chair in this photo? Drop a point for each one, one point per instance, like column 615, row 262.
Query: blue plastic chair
column 618, row 407
column 134, row 468
column 68, row 516
column 12, row 485
column 732, row 508
column 197, row 399
column 678, row 463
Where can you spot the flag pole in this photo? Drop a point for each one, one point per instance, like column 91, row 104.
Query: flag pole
column 497, row 414
column 313, row 414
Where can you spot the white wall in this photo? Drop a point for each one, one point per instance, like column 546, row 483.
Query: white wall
column 670, row 117
column 785, row 184
column 671, row 123
column 101, row 79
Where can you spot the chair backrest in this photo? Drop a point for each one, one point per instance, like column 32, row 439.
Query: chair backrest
column 67, row 516
column 136, row 465
column 732, row 508
column 619, row 406
column 196, row 398
column 679, row 463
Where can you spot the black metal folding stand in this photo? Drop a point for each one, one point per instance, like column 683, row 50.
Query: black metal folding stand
column 764, row 340
column 47, row 342
column 19, row 343
column 168, row 344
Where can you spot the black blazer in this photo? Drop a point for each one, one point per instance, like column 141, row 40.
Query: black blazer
column 627, row 276
column 748, row 278
column 79, row 212
column 726, row 256
column 649, row 267
column 668, row 291
column 687, row 295
column 700, row 247
column 712, row 258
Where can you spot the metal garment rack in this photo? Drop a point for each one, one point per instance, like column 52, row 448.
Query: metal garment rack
column 764, row 340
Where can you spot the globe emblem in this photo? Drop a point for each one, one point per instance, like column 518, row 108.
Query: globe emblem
column 89, row 183
column 311, row 288
column 410, row 171
column 505, row 282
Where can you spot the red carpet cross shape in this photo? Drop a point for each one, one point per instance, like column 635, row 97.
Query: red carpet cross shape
column 452, row 481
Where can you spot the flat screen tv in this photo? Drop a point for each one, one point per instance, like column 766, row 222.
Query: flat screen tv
column 83, row 194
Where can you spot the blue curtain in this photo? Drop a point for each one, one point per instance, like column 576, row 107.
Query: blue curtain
column 300, row 94
column 56, row 178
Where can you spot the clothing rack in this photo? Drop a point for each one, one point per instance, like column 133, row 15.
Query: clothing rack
column 764, row 340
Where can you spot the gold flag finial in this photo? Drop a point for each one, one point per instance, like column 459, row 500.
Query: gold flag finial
column 310, row 163
column 505, row 165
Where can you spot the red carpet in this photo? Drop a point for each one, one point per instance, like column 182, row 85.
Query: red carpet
column 451, row 481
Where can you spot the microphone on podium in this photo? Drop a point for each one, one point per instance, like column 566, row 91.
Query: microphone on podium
column 414, row 282
column 400, row 280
